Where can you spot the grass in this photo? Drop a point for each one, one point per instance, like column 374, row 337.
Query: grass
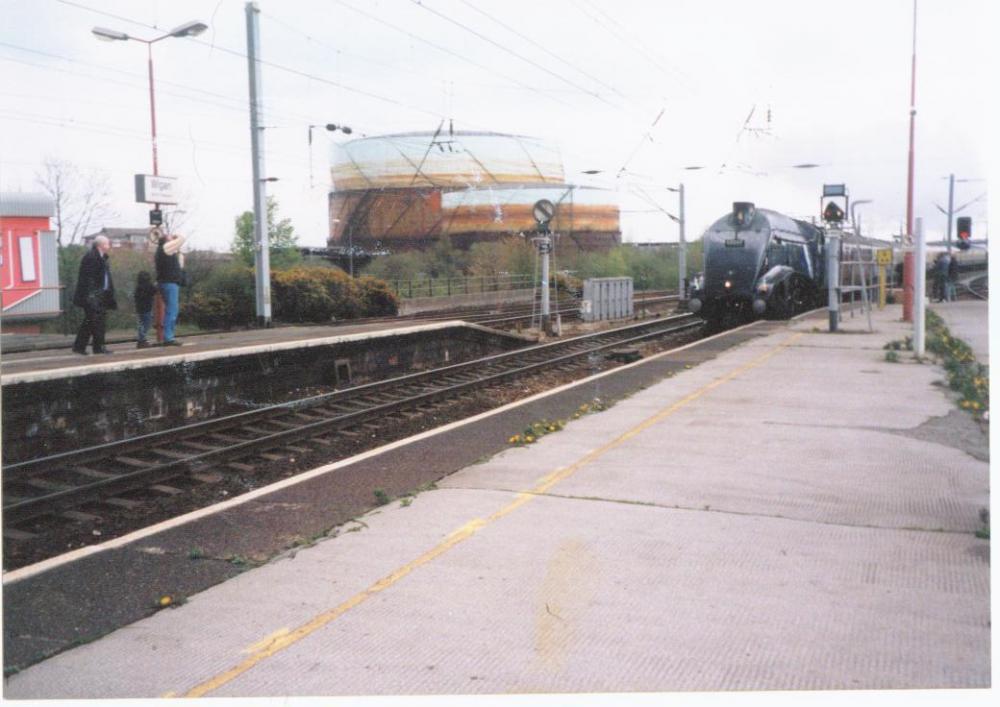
column 381, row 497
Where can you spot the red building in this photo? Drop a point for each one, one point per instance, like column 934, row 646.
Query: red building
column 29, row 266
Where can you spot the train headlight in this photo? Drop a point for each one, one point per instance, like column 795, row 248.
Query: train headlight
column 727, row 284
column 759, row 306
column 763, row 288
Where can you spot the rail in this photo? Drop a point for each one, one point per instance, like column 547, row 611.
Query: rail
column 255, row 431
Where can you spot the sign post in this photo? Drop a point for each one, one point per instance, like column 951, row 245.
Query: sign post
column 883, row 257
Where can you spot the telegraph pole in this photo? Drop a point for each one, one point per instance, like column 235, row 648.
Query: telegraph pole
column 262, row 255
column 682, row 255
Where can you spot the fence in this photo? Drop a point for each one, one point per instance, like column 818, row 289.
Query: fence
column 447, row 286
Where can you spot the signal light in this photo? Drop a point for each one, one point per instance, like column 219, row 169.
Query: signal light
column 833, row 213
column 964, row 224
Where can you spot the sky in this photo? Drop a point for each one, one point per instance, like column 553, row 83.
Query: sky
column 635, row 93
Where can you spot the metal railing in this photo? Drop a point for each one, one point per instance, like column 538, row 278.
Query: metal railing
column 448, row 286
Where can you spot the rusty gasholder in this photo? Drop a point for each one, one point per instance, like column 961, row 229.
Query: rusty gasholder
column 407, row 191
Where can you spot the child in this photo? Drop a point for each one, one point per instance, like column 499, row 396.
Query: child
column 144, row 293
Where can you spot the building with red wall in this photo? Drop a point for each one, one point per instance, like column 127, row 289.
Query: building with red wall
column 29, row 265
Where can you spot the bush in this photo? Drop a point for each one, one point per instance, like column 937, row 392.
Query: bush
column 377, row 299
column 224, row 299
column 300, row 299
column 315, row 294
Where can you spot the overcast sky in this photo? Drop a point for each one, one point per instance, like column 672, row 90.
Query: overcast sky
column 747, row 90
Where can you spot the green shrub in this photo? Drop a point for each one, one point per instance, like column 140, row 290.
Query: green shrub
column 223, row 299
column 300, row 299
column 377, row 299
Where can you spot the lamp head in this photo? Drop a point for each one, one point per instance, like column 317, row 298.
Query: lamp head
column 108, row 35
column 189, row 29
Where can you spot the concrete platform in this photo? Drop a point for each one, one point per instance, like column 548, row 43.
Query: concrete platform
column 48, row 364
column 795, row 513
column 968, row 320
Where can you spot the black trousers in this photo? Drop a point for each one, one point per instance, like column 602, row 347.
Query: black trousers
column 94, row 319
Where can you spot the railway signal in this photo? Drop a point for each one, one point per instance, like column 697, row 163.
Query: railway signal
column 833, row 213
column 964, row 226
column 543, row 211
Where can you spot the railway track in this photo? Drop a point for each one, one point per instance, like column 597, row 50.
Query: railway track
column 60, row 484
column 979, row 287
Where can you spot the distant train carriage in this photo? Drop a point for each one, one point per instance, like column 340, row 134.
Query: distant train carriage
column 29, row 267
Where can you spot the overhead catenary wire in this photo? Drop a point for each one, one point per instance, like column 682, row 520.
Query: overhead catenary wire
column 502, row 47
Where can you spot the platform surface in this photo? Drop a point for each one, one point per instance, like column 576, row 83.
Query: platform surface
column 794, row 514
column 51, row 363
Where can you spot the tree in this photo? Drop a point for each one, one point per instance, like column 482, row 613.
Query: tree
column 82, row 198
column 282, row 241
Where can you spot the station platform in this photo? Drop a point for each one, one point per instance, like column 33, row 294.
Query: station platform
column 794, row 512
column 18, row 366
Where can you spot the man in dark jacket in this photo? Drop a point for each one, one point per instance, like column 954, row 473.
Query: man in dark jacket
column 95, row 293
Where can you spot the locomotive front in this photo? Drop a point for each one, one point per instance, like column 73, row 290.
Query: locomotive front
column 756, row 262
column 734, row 248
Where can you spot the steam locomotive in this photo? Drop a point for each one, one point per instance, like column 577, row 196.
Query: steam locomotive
column 762, row 263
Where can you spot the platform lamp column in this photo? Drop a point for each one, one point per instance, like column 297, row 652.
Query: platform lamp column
column 919, row 290
column 682, row 250
column 833, row 277
column 908, row 266
column 188, row 29
column 262, row 250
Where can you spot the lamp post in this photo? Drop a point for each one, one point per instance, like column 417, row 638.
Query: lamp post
column 682, row 246
column 188, row 29
column 854, row 221
column 332, row 127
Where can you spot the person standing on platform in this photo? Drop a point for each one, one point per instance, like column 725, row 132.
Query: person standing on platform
column 168, row 277
column 95, row 293
column 941, row 276
column 145, row 291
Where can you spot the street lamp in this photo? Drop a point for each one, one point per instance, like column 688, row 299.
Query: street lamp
column 333, row 127
column 854, row 220
column 188, row 29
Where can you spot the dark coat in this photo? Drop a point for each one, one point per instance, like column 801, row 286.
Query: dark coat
column 90, row 281
column 168, row 267
column 144, row 294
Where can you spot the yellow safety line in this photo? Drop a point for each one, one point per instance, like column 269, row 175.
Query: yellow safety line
column 284, row 638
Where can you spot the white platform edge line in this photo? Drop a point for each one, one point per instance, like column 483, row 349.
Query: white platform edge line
column 51, row 563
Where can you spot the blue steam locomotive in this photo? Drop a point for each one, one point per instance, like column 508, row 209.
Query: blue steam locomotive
column 759, row 263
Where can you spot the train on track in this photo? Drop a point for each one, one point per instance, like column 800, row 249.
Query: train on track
column 759, row 262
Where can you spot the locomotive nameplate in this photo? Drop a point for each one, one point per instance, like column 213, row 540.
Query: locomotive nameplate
column 735, row 243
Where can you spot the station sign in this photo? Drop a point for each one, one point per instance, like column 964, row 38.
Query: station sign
column 155, row 189
column 834, row 190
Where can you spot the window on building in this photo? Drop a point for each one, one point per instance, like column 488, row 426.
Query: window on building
column 26, row 246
